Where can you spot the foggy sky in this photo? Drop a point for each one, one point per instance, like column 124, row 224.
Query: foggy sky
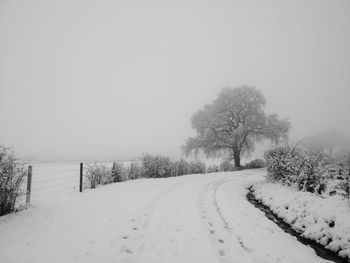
column 109, row 80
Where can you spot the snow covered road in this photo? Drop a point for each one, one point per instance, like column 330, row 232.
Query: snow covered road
column 194, row 218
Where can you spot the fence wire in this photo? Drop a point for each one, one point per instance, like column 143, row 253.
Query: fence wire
column 50, row 178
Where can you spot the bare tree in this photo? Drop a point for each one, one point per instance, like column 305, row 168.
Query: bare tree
column 233, row 123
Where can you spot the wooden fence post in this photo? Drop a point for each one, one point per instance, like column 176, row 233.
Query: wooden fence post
column 29, row 184
column 81, row 178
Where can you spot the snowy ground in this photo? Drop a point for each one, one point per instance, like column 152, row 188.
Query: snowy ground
column 324, row 219
column 194, row 218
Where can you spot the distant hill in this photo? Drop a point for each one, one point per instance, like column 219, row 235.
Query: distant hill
column 330, row 142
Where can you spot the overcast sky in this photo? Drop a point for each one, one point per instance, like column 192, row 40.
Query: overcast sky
column 102, row 80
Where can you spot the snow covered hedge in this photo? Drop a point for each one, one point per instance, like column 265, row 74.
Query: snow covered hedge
column 101, row 174
column 156, row 166
column 98, row 174
column 325, row 219
column 307, row 171
column 310, row 192
column 147, row 166
column 12, row 174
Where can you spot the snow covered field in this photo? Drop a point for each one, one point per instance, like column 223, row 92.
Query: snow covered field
column 193, row 218
column 323, row 219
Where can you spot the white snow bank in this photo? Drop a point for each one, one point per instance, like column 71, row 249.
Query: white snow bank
column 323, row 219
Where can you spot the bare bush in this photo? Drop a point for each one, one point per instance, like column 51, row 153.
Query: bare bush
column 180, row 167
column 196, row 167
column 11, row 178
column 347, row 177
column 156, row 166
column 134, row 171
column 98, row 174
column 117, row 172
column 213, row 169
column 256, row 163
column 226, row 166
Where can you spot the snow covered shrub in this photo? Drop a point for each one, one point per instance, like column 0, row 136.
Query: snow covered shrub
column 348, row 177
column 196, row 167
column 98, row 174
column 11, row 177
column 284, row 164
column 311, row 178
column 117, row 172
column 342, row 185
column 332, row 179
column 156, row 166
column 213, row 169
column 256, row 163
column 227, row 166
column 308, row 171
column 181, row 167
column 134, row 171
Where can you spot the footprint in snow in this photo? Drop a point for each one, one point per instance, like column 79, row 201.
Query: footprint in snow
column 127, row 250
column 243, row 245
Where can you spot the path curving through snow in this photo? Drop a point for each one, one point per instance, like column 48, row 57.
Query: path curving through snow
column 194, row 218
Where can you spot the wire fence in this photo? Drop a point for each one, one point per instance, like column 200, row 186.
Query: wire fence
column 48, row 179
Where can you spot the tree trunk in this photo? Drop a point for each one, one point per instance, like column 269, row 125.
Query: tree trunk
column 237, row 158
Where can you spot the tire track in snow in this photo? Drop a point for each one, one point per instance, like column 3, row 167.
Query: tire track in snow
column 136, row 240
column 226, row 224
column 239, row 232
column 226, row 240
column 172, row 230
column 136, row 224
